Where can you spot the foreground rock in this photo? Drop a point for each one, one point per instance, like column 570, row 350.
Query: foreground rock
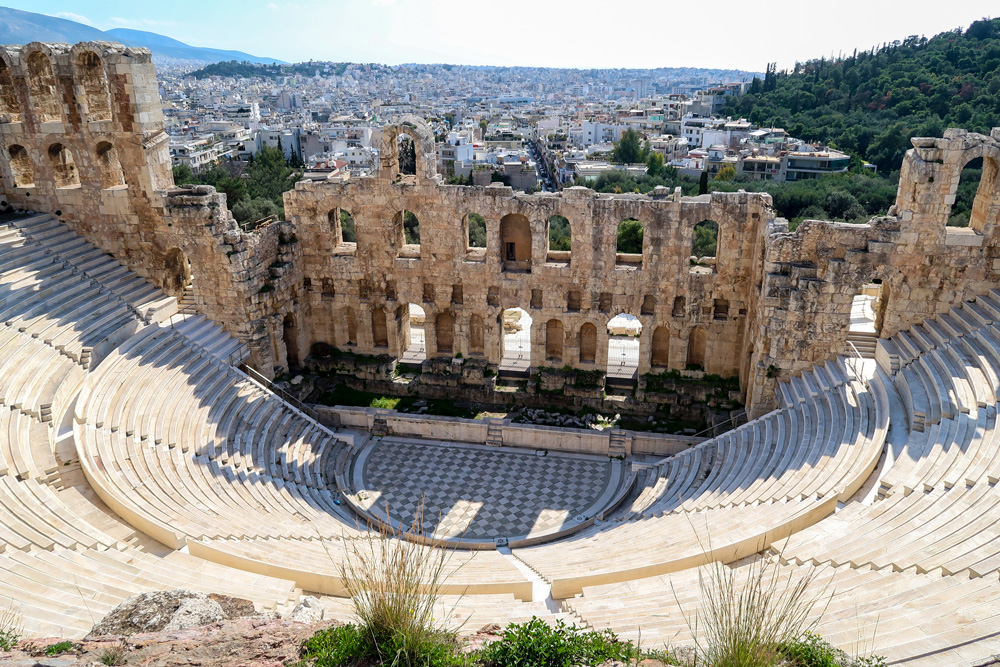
column 169, row 611
column 245, row 642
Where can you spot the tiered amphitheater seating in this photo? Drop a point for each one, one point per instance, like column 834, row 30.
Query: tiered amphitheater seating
column 58, row 564
column 736, row 493
column 916, row 571
column 239, row 489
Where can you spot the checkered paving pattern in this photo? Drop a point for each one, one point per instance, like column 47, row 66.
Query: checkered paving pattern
column 477, row 493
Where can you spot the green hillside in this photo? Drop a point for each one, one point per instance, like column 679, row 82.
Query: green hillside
column 870, row 103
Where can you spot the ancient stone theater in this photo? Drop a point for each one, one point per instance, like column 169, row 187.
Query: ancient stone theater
column 143, row 447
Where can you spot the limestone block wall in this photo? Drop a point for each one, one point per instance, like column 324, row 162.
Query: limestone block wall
column 356, row 295
column 81, row 137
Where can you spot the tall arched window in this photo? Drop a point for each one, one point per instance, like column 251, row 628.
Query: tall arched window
column 697, row 343
column 63, row 167
column 629, row 242
column 554, row 340
column 9, row 104
column 42, row 89
column 94, row 82
column 515, row 243
column 109, row 165
column 704, row 246
column 21, row 167
column 408, row 234
column 588, row 343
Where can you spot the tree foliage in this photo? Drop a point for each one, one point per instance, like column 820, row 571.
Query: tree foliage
column 872, row 102
column 559, row 233
column 706, row 235
column 477, row 231
column 630, row 236
column 630, row 149
column 266, row 178
column 411, row 229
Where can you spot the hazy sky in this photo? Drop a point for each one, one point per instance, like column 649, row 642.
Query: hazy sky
column 607, row 33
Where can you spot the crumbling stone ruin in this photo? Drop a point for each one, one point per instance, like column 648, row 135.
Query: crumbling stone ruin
column 136, row 455
column 84, row 139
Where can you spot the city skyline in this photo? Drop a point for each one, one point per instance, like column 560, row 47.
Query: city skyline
column 525, row 33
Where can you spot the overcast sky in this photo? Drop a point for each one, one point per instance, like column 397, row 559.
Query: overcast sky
column 568, row 33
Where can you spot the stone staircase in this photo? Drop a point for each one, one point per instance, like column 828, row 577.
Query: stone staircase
column 618, row 443
column 864, row 341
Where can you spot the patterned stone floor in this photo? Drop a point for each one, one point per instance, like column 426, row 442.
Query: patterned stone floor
column 477, row 492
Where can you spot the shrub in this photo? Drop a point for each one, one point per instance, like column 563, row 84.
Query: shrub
column 811, row 650
column 115, row 655
column 538, row 644
column 749, row 613
column 394, row 585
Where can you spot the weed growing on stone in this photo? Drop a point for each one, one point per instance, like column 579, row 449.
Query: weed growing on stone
column 115, row 654
column 11, row 627
column 61, row 647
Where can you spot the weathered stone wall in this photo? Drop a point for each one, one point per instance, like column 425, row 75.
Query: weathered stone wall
column 81, row 137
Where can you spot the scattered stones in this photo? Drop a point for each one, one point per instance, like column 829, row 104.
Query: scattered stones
column 308, row 610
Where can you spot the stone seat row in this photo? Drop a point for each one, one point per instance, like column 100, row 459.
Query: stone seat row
column 955, row 452
column 951, row 531
column 25, row 446
column 63, row 592
column 315, row 564
column 906, row 615
column 804, row 451
column 675, row 539
column 34, row 378
column 65, row 245
column 269, row 435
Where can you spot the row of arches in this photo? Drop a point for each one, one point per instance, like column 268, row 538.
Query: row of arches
column 63, row 165
column 516, row 238
column 44, row 96
column 518, row 344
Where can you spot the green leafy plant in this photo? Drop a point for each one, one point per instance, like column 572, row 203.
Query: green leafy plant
column 538, row 644
column 61, row 647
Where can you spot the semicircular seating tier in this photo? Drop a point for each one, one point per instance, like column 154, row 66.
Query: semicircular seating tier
column 134, row 457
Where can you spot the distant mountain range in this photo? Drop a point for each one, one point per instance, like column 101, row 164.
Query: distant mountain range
column 20, row 27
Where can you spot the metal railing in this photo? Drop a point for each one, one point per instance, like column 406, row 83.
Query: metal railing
column 855, row 362
column 265, row 383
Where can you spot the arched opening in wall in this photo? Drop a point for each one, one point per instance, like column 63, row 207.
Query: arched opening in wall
column 475, row 233
column 515, row 243
column 380, row 332
column 648, row 305
column 342, row 226
column 42, row 89
column 290, row 336
column 661, row 347
column 628, row 250
column 554, row 338
column 413, row 328
column 704, row 246
column 623, row 349
column 515, row 359
column 408, row 229
column 110, row 166
column 63, row 167
column 697, row 342
column 94, row 81
column 680, row 307
column 560, row 240
column 444, row 329
column 977, row 185
column 20, row 166
column 588, row 343
column 349, row 327
column 10, row 107
column 477, row 345
column 178, row 272
column 406, row 149
column 865, row 320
